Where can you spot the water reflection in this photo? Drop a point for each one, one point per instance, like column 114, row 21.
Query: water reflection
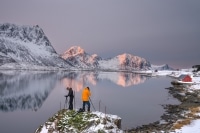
column 79, row 79
column 23, row 90
column 34, row 96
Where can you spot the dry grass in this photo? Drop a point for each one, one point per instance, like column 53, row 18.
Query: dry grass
column 181, row 123
column 193, row 111
column 189, row 117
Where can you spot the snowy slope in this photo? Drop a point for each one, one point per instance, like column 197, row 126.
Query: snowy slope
column 79, row 58
column 125, row 62
column 27, row 45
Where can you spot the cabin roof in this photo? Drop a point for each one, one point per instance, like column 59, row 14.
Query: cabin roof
column 182, row 76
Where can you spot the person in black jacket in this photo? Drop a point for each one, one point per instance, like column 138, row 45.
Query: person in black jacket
column 71, row 96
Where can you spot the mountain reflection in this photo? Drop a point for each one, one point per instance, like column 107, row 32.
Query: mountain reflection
column 80, row 79
column 23, row 90
column 126, row 79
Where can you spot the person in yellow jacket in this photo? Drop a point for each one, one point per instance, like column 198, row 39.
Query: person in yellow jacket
column 85, row 98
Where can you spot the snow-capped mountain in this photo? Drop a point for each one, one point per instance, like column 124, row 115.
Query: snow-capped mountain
column 125, row 62
column 27, row 45
column 161, row 67
column 78, row 57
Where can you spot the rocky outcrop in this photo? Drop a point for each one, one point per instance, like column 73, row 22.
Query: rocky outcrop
column 81, row 122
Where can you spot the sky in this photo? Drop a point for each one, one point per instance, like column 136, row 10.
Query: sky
column 161, row 31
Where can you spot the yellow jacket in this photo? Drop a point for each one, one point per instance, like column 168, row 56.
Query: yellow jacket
column 86, row 94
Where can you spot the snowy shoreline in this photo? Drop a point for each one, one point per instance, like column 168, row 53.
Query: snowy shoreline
column 177, row 117
column 182, row 118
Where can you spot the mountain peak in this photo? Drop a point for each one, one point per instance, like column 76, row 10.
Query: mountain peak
column 127, row 55
column 73, row 51
column 161, row 67
column 24, row 33
column 25, row 45
column 78, row 57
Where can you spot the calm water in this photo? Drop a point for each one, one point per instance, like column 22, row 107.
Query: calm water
column 29, row 98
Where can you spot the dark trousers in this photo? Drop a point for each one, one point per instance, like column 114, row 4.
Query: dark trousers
column 71, row 103
column 86, row 103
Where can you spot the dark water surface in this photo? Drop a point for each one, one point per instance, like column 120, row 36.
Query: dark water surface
column 29, row 98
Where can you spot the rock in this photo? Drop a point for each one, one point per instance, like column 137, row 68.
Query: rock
column 118, row 123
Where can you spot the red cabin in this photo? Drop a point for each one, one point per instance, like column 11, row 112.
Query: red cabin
column 185, row 78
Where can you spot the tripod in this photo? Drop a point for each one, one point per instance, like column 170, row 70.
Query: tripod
column 92, row 104
column 66, row 101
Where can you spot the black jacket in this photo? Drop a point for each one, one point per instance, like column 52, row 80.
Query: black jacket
column 70, row 93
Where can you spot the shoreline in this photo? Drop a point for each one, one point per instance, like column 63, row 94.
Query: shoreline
column 175, row 116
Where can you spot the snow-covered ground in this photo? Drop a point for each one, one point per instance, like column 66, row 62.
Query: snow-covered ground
column 83, row 122
column 194, row 126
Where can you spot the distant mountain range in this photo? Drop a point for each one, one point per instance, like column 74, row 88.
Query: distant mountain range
column 78, row 57
column 27, row 47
